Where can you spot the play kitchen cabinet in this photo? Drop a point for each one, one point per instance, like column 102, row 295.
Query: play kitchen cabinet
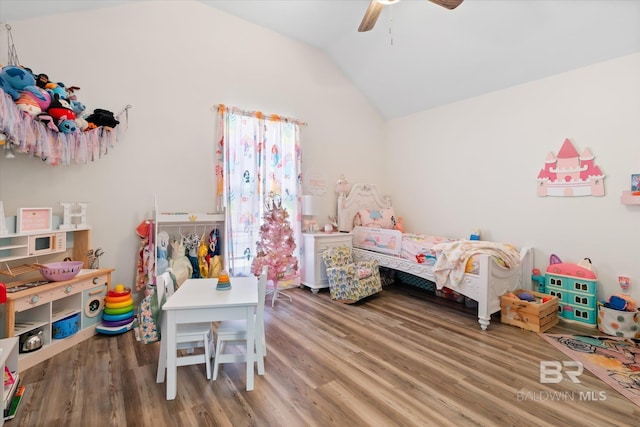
column 39, row 308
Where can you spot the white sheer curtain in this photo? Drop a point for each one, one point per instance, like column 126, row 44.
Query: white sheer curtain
column 257, row 154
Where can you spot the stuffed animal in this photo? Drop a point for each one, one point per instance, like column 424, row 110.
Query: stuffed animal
column 14, row 79
column 33, row 100
column 103, row 118
column 42, row 80
column 57, row 89
column 63, row 115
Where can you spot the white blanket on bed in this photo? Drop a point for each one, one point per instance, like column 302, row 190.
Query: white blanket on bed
column 452, row 258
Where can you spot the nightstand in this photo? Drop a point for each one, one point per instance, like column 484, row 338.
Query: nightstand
column 314, row 275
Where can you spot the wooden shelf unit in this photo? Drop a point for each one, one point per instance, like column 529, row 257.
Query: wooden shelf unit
column 41, row 306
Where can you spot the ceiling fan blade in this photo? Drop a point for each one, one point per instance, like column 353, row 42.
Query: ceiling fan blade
column 449, row 4
column 370, row 16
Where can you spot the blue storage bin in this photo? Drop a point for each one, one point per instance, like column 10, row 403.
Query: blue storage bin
column 66, row 327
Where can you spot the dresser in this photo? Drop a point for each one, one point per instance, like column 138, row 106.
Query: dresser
column 314, row 275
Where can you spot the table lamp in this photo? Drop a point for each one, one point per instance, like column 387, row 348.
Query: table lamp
column 309, row 212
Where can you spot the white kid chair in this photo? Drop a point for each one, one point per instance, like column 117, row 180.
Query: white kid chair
column 188, row 336
column 235, row 333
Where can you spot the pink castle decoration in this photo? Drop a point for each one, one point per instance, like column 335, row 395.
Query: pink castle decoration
column 570, row 174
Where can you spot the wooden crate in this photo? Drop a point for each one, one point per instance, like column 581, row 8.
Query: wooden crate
column 534, row 316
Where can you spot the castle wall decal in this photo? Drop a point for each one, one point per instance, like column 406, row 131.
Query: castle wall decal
column 570, row 174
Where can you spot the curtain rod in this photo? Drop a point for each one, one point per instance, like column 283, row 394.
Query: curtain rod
column 220, row 108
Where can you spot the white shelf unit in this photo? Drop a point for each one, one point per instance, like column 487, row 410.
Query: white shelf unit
column 181, row 223
column 8, row 358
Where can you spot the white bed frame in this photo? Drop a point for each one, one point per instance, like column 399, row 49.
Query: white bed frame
column 485, row 288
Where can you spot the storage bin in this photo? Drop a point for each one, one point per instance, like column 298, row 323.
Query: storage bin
column 66, row 327
column 618, row 323
column 533, row 316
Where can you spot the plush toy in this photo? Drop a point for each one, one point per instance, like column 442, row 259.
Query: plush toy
column 397, row 223
column 103, row 118
column 57, row 89
column 63, row 115
column 526, row 296
column 42, row 80
column 14, row 79
column 48, row 121
column 33, row 100
column 622, row 302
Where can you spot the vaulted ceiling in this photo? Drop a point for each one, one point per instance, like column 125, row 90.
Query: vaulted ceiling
column 420, row 55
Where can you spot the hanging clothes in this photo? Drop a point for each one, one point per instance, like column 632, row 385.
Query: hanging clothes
column 146, row 255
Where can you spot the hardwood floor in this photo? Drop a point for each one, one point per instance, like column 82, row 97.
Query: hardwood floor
column 401, row 358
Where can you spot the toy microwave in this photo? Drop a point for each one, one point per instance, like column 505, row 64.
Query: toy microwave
column 49, row 243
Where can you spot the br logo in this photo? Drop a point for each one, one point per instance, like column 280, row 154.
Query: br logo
column 551, row 371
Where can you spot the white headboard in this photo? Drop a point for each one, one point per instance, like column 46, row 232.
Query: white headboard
column 361, row 196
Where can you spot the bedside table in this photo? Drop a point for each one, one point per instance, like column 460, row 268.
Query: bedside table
column 314, row 275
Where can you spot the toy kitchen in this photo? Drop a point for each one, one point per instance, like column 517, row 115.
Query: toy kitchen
column 49, row 297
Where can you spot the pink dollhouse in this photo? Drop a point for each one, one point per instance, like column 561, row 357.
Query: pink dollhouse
column 570, row 174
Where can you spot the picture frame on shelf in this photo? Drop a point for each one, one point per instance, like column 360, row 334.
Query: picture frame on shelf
column 30, row 220
column 635, row 182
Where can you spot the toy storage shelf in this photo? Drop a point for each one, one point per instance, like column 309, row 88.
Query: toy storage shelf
column 627, row 198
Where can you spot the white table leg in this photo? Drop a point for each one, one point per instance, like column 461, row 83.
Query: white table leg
column 251, row 346
column 172, row 369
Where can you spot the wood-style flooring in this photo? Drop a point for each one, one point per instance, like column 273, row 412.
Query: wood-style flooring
column 401, row 358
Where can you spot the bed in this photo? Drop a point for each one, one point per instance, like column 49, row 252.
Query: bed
column 483, row 272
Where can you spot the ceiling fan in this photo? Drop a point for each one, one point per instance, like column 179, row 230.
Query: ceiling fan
column 375, row 7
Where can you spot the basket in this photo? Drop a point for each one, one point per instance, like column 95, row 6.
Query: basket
column 618, row 323
column 61, row 271
column 66, row 327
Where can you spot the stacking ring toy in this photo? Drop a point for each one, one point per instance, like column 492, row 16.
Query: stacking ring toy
column 113, row 299
column 110, row 310
column 116, row 317
column 114, row 330
column 119, row 304
column 116, row 323
column 119, row 294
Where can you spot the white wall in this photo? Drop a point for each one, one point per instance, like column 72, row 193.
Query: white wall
column 172, row 61
column 475, row 163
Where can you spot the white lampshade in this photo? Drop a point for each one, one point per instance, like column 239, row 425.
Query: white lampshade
column 309, row 205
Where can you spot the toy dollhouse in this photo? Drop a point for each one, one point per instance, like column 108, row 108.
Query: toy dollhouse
column 575, row 287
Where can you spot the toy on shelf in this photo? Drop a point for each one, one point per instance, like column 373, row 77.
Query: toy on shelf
column 118, row 313
column 74, row 215
column 575, row 287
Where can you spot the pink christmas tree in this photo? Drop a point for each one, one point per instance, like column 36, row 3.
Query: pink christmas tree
column 276, row 245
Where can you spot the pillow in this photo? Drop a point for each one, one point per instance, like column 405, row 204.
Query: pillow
column 380, row 218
